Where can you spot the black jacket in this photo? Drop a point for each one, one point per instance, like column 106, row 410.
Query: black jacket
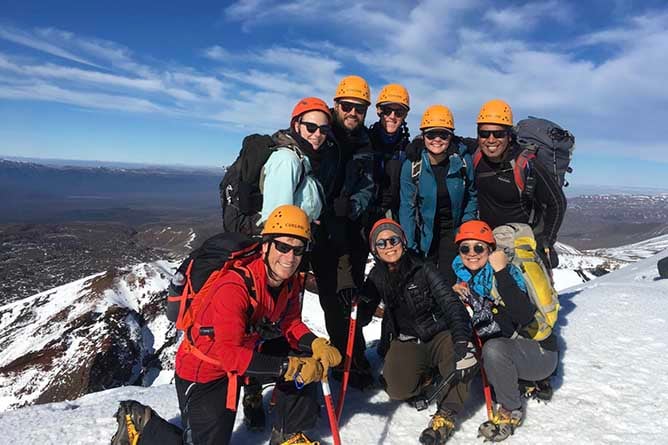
column 499, row 201
column 431, row 303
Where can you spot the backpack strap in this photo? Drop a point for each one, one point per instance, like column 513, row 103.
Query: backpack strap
column 416, row 171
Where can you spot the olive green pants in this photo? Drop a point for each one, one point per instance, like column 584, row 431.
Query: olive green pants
column 408, row 363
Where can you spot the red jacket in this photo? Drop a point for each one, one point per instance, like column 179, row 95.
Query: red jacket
column 227, row 311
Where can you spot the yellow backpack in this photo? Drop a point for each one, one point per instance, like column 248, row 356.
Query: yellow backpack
column 518, row 242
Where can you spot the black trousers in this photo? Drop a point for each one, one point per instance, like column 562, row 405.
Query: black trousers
column 324, row 260
column 442, row 253
column 207, row 421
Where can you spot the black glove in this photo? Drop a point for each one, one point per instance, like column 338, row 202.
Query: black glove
column 346, row 296
column 466, row 362
column 342, row 206
column 414, row 149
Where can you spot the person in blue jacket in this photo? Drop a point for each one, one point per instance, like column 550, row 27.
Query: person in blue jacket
column 289, row 176
column 437, row 190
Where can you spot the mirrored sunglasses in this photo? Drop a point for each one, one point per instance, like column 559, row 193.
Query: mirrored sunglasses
column 313, row 127
column 398, row 112
column 431, row 135
column 286, row 248
column 387, row 242
column 498, row 134
column 464, row 249
column 347, row 107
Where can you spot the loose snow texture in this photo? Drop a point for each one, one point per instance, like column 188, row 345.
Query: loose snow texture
column 610, row 388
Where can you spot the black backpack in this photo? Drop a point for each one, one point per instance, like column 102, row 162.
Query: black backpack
column 240, row 188
column 551, row 144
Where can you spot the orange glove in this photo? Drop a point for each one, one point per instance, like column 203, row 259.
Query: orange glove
column 306, row 369
column 327, row 354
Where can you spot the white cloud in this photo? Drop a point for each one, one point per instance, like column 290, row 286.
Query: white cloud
column 527, row 16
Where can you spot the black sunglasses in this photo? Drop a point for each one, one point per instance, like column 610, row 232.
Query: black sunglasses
column 312, row 127
column 388, row 242
column 286, row 248
column 398, row 112
column 478, row 248
column 347, row 107
column 498, row 134
column 431, row 135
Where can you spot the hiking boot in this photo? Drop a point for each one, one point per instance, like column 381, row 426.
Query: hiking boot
column 132, row 417
column 502, row 425
column 280, row 438
column 254, row 417
column 540, row 390
column 441, row 427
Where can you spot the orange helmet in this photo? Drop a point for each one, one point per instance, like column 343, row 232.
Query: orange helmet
column 394, row 93
column 354, row 87
column 475, row 230
column 497, row 112
column 288, row 220
column 437, row 116
column 310, row 104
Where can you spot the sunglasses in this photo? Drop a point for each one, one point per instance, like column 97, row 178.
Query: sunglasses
column 388, row 242
column 312, row 127
column 498, row 134
column 347, row 107
column 398, row 112
column 478, row 248
column 286, row 248
column 431, row 135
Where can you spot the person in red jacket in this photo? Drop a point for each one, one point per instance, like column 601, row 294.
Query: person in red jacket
column 239, row 337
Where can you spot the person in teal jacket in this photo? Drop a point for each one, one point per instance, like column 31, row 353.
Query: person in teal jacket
column 437, row 191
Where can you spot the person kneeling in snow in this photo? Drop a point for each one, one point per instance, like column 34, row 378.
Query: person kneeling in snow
column 507, row 353
column 428, row 329
column 266, row 340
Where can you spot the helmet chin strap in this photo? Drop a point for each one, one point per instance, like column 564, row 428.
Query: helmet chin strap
column 272, row 275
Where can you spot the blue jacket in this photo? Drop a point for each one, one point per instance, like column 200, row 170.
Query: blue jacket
column 418, row 220
column 287, row 178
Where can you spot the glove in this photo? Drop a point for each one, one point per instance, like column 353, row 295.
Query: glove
column 346, row 296
column 414, row 149
column 325, row 353
column 467, row 363
column 305, row 369
column 342, row 206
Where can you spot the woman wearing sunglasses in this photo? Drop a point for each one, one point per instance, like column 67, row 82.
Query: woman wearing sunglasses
column 289, row 175
column 437, row 190
column 389, row 137
column 426, row 330
column 495, row 292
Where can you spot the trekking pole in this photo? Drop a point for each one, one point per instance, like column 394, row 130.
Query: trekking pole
column 485, row 383
column 333, row 420
column 352, row 324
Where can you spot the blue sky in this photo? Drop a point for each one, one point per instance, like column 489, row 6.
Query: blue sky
column 160, row 83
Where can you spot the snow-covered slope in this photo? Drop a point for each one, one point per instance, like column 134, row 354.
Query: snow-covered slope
column 610, row 387
column 85, row 336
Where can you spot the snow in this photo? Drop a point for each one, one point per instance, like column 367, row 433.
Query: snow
column 610, row 388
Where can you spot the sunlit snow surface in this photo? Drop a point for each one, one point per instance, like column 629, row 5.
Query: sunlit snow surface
column 611, row 387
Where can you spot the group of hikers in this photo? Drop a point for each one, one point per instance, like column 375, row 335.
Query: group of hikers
column 332, row 192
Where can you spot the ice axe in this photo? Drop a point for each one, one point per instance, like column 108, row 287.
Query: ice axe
column 349, row 356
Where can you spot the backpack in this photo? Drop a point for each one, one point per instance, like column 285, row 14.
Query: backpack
column 241, row 186
column 201, row 269
column 518, row 242
column 542, row 141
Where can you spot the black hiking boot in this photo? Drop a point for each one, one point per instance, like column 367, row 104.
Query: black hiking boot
column 541, row 390
column 502, row 426
column 280, row 438
column 132, row 417
column 254, row 417
column 441, row 427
